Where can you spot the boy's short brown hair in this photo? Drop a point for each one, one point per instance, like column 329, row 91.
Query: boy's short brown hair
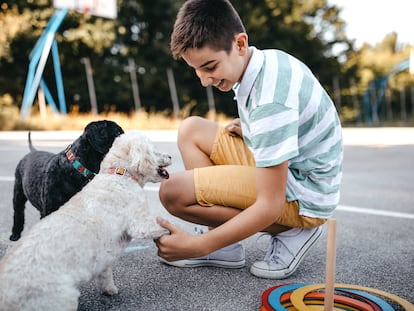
column 205, row 22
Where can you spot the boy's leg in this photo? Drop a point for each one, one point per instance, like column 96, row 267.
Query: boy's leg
column 180, row 197
column 208, row 196
column 220, row 175
column 202, row 143
column 200, row 146
column 195, row 141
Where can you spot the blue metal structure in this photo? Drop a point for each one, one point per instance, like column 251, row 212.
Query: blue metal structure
column 38, row 58
column 374, row 97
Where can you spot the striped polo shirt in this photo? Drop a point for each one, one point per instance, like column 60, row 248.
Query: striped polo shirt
column 286, row 115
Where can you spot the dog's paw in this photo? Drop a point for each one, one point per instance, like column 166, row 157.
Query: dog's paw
column 157, row 233
column 110, row 290
column 105, row 281
column 14, row 237
column 149, row 230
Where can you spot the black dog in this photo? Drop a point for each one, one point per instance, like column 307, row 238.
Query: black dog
column 48, row 180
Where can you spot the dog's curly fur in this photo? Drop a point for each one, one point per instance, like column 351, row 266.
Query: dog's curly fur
column 49, row 180
column 81, row 240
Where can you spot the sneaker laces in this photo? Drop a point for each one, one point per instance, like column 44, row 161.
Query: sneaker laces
column 199, row 230
column 273, row 250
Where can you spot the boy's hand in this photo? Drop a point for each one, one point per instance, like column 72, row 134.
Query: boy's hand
column 178, row 244
column 234, row 128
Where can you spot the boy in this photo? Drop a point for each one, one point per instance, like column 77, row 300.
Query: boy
column 277, row 169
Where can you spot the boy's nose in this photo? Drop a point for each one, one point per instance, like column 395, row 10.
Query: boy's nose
column 204, row 79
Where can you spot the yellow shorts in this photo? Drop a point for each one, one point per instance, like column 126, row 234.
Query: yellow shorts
column 231, row 181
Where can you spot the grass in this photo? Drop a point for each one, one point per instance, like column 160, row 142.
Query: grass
column 10, row 121
column 48, row 121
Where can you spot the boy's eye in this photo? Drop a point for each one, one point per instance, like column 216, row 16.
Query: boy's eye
column 211, row 68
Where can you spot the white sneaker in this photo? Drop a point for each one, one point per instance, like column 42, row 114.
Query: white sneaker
column 285, row 252
column 232, row 256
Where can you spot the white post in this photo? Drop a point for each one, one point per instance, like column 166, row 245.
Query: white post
column 42, row 102
column 173, row 92
column 134, row 84
column 91, row 86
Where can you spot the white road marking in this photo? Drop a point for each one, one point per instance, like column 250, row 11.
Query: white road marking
column 345, row 208
column 341, row 208
column 352, row 136
column 370, row 211
column 7, row 178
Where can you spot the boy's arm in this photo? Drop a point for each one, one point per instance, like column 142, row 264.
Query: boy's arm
column 271, row 196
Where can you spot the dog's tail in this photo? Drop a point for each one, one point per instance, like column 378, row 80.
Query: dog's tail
column 30, row 143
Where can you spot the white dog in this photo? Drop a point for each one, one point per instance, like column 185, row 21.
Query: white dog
column 81, row 240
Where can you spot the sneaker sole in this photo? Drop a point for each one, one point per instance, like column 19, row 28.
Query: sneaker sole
column 282, row 274
column 194, row 263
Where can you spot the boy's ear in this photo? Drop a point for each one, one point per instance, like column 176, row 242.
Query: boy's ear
column 242, row 42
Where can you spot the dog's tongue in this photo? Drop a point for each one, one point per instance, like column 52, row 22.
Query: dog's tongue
column 163, row 172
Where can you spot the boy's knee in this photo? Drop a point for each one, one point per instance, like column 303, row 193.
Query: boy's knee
column 187, row 127
column 164, row 193
column 189, row 123
column 169, row 197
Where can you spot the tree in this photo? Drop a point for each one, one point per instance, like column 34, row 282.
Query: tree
column 382, row 82
column 310, row 30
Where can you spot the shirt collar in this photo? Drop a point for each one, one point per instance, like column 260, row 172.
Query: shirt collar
column 243, row 89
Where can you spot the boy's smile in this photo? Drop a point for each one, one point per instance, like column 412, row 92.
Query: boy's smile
column 218, row 68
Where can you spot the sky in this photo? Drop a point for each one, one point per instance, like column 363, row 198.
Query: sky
column 371, row 20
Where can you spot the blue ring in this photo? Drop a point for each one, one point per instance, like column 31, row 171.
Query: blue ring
column 275, row 296
column 385, row 306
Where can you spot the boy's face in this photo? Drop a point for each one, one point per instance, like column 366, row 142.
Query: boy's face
column 218, row 68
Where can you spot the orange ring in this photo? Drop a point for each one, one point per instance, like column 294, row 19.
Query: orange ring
column 298, row 295
column 316, row 303
column 340, row 301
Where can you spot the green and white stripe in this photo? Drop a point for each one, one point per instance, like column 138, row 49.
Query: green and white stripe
column 287, row 115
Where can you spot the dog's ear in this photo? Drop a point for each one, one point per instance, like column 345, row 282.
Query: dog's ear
column 140, row 155
column 101, row 134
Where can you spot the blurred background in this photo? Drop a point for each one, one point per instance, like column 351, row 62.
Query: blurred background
column 120, row 67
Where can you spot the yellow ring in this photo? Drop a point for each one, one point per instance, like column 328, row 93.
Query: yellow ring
column 298, row 295
column 316, row 303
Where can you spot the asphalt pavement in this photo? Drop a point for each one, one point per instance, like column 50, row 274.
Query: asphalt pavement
column 375, row 231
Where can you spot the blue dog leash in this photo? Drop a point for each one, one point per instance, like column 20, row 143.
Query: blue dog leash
column 77, row 165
